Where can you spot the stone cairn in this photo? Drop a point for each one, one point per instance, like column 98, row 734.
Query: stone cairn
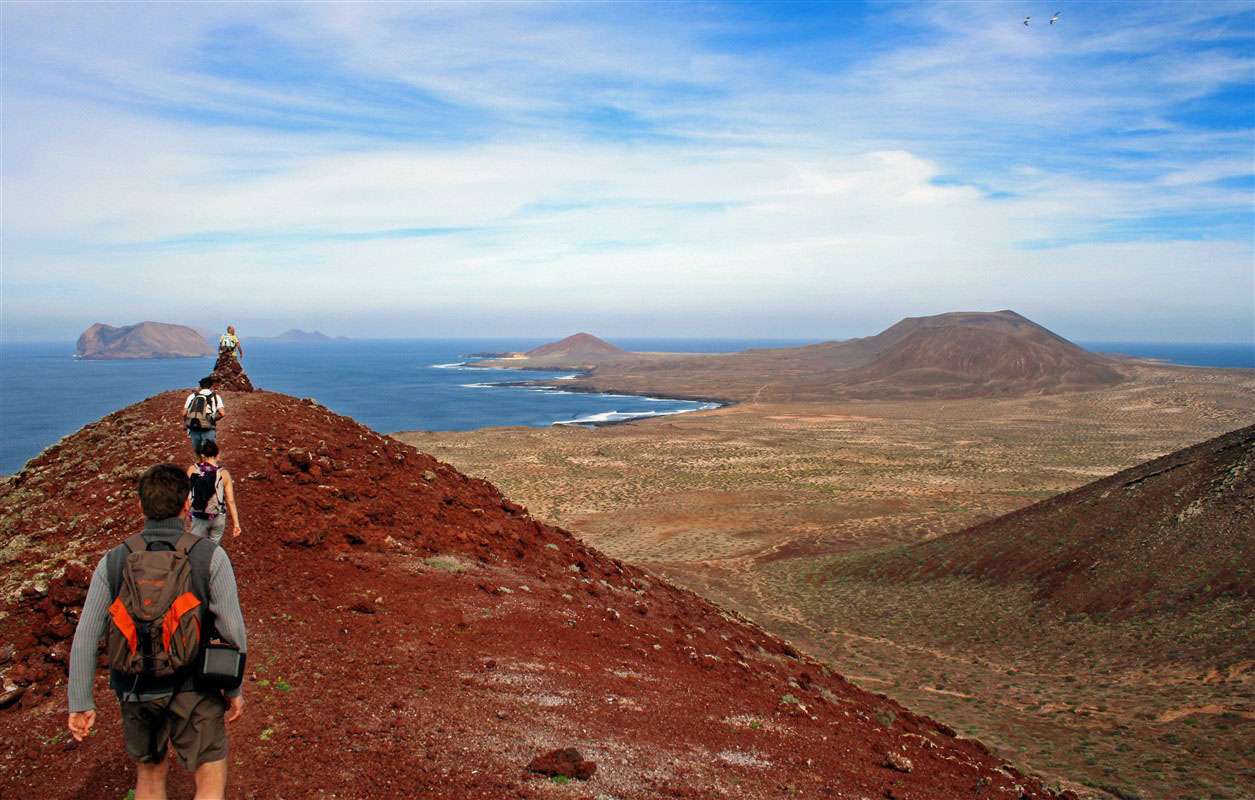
column 228, row 375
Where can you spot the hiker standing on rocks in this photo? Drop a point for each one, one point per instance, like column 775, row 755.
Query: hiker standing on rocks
column 150, row 670
column 201, row 411
column 229, row 344
column 212, row 495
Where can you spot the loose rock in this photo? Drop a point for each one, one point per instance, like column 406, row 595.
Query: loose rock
column 567, row 762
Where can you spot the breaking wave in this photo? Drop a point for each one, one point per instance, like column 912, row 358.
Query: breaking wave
column 621, row 416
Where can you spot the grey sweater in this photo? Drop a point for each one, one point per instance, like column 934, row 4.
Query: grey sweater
column 224, row 604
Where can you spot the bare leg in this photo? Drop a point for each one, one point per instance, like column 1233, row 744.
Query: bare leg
column 150, row 781
column 211, row 781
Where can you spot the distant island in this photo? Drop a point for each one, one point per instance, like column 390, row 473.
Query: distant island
column 295, row 335
column 144, row 340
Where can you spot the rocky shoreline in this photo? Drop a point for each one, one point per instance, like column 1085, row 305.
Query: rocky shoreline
column 718, row 402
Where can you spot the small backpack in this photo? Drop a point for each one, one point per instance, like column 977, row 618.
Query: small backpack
column 199, row 414
column 205, row 485
column 156, row 617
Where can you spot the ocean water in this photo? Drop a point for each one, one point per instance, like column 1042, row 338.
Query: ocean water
column 390, row 385
column 1193, row 354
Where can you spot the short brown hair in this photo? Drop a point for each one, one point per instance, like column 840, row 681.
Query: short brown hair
column 162, row 491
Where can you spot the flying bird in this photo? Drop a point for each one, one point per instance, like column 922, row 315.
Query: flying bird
column 1026, row 19
column 1055, row 17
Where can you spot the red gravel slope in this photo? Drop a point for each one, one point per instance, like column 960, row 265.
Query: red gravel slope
column 380, row 667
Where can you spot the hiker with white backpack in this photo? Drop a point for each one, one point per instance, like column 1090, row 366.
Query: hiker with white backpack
column 201, row 411
column 229, row 345
column 213, row 494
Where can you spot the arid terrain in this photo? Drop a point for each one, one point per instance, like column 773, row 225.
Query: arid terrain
column 414, row 633
column 756, row 505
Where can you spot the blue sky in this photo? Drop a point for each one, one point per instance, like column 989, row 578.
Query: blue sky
column 630, row 169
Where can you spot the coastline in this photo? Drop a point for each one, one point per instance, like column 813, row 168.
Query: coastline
column 708, row 403
column 718, row 401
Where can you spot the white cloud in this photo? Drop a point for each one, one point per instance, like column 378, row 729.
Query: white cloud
column 758, row 183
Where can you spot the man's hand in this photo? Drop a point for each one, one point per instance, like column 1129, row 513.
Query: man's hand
column 235, row 529
column 235, row 708
column 81, row 723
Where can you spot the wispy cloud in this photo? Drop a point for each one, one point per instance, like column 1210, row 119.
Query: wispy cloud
column 646, row 162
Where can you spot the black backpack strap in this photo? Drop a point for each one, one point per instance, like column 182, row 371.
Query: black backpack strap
column 115, row 561
column 186, row 542
column 155, row 718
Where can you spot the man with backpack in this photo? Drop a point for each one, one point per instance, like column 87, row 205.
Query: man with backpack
column 158, row 597
column 229, row 344
column 201, row 411
column 213, row 494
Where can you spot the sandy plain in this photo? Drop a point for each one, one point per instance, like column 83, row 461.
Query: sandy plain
column 746, row 504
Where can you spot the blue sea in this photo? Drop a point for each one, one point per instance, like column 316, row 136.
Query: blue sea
column 1187, row 353
column 390, row 385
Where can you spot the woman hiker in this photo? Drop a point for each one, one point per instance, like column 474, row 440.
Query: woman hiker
column 213, row 494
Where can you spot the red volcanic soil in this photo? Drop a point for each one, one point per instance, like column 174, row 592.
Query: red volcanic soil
column 579, row 345
column 414, row 633
column 145, row 340
column 1168, row 535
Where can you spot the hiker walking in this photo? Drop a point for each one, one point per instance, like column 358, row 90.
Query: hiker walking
column 163, row 578
column 229, row 344
column 201, row 411
column 213, row 494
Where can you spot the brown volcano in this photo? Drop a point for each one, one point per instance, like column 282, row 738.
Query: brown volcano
column 967, row 355
column 960, row 354
column 414, row 633
column 1165, row 536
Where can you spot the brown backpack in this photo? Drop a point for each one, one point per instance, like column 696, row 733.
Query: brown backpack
column 156, row 617
column 201, row 412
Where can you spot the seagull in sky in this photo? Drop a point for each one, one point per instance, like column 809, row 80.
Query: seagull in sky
column 1055, row 17
column 1026, row 19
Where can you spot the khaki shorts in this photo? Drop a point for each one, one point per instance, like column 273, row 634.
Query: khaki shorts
column 191, row 721
column 210, row 528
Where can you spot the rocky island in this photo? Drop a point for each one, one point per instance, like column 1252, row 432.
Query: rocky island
column 296, row 335
column 145, row 340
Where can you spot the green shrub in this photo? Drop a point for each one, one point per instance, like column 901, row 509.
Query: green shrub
column 446, row 563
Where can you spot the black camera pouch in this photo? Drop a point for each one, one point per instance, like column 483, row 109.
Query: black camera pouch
column 220, row 666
